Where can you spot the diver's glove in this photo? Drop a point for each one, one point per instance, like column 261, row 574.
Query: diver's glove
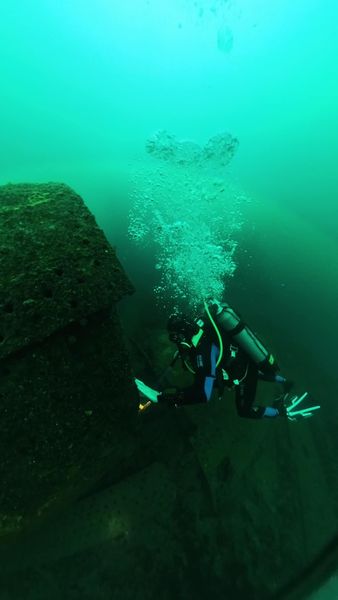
column 287, row 404
column 147, row 391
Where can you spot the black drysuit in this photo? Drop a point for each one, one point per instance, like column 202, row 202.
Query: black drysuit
column 236, row 370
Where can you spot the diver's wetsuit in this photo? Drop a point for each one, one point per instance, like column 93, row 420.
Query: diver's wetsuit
column 239, row 369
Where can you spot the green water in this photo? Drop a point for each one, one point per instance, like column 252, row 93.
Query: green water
column 85, row 85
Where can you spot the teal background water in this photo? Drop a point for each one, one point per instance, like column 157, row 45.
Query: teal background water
column 83, row 85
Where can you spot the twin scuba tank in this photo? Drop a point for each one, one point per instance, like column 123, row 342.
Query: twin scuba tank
column 225, row 319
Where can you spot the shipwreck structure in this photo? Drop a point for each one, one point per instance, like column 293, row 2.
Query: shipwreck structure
column 66, row 398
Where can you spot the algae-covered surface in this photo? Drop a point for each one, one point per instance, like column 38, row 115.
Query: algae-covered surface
column 67, row 403
column 108, row 503
column 56, row 264
column 212, row 506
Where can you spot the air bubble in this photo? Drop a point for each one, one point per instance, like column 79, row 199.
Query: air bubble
column 193, row 241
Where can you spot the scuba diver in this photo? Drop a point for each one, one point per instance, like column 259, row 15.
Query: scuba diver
column 223, row 352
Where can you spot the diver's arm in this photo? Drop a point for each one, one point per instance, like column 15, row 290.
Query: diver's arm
column 200, row 391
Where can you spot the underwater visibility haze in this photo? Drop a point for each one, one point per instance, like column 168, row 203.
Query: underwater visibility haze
column 203, row 137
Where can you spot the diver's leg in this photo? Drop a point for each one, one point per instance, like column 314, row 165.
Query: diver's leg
column 276, row 378
column 273, row 377
column 245, row 396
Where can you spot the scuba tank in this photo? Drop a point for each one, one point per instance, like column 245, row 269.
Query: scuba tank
column 227, row 320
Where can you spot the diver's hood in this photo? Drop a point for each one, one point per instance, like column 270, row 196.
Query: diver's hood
column 181, row 328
